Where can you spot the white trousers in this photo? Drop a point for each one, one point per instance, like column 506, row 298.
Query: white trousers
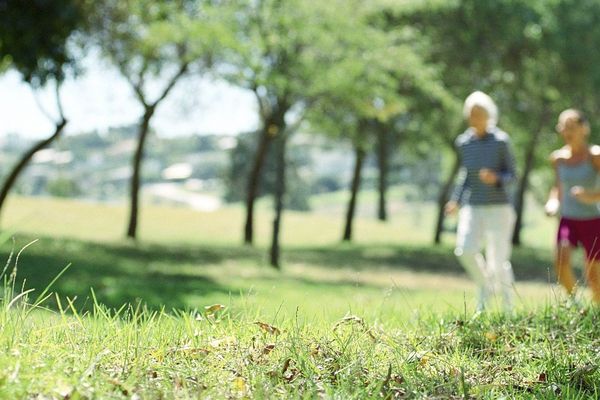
column 489, row 227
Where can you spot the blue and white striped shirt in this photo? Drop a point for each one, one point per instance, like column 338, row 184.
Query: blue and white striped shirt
column 492, row 151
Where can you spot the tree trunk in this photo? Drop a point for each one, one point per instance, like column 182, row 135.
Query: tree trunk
column 254, row 181
column 280, row 143
column 136, row 178
column 524, row 182
column 354, row 188
column 442, row 199
column 523, row 186
column 26, row 158
column 382, row 159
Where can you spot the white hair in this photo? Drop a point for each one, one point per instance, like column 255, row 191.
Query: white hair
column 480, row 99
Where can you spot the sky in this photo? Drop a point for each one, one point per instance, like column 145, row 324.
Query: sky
column 101, row 98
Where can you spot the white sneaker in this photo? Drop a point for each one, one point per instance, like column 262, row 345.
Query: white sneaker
column 483, row 299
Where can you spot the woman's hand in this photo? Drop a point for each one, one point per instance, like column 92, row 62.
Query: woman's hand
column 488, row 176
column 583, row 196
column 451, row 207
column 551, row 208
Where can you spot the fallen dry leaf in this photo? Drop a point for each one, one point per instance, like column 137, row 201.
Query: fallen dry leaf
column 286, row 365
column 268, row 348
column 353, row 319
column 225, row 341
column 543, row 377
column 268, row 328
column 214, row 308
column 288, row 372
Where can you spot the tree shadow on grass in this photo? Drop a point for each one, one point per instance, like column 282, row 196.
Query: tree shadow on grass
column 528, row 264
column 327, row 284
column 124, row 273
column 119, row 273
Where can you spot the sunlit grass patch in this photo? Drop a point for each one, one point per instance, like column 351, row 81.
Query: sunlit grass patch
column 217, row 352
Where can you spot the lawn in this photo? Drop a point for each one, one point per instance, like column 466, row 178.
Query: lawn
column 386, row 317
column 409, row 223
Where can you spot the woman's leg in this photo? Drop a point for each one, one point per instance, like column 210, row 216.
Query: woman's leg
column 499, row 228
column 468, row 251
column 592, row 275
column 590, row 238
column 564, row 271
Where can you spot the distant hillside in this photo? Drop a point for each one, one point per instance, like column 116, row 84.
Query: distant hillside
column 182, row 169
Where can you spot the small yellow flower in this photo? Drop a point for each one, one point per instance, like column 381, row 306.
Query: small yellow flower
column 491, row 336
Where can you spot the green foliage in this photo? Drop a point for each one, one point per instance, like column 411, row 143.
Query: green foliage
column 63, row 187
column 574, row 36
column 294, row 54
column 521, row 52
column 149, row 40
column 480, row 44
column 34, row 38
column 399, row 91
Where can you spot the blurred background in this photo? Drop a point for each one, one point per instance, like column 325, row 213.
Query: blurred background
column 282, row 124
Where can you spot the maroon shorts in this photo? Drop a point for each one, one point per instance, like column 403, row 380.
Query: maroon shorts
column 581, row 231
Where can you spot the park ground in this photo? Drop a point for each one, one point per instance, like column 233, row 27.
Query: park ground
column 189, row 312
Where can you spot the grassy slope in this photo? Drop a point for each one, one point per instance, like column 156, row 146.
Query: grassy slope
column 413, row 335
column 371, row 353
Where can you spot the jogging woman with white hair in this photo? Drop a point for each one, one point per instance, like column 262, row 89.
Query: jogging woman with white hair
column 486, row 216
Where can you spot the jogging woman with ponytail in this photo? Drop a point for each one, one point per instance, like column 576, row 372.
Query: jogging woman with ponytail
column 575, row 197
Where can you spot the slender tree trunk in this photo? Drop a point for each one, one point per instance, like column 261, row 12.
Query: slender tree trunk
column 144, row 127
column 442, row 199
column 26, row 158
column 354, row 188
column 382, row 160
column 524, row 182
column 280, row 147
column 149, row 109
column 136, row 177
column 254, row 181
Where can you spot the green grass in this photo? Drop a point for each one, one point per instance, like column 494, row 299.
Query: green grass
column 375, row 351
column 410, row 223
column 387, row 317
column 185, row 277
column 164, row 224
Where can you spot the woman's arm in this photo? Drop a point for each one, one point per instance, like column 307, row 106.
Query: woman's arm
column 508, row 173
column 459, row 188
column 461, row 183
column 552, row 206
column 589, row 196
